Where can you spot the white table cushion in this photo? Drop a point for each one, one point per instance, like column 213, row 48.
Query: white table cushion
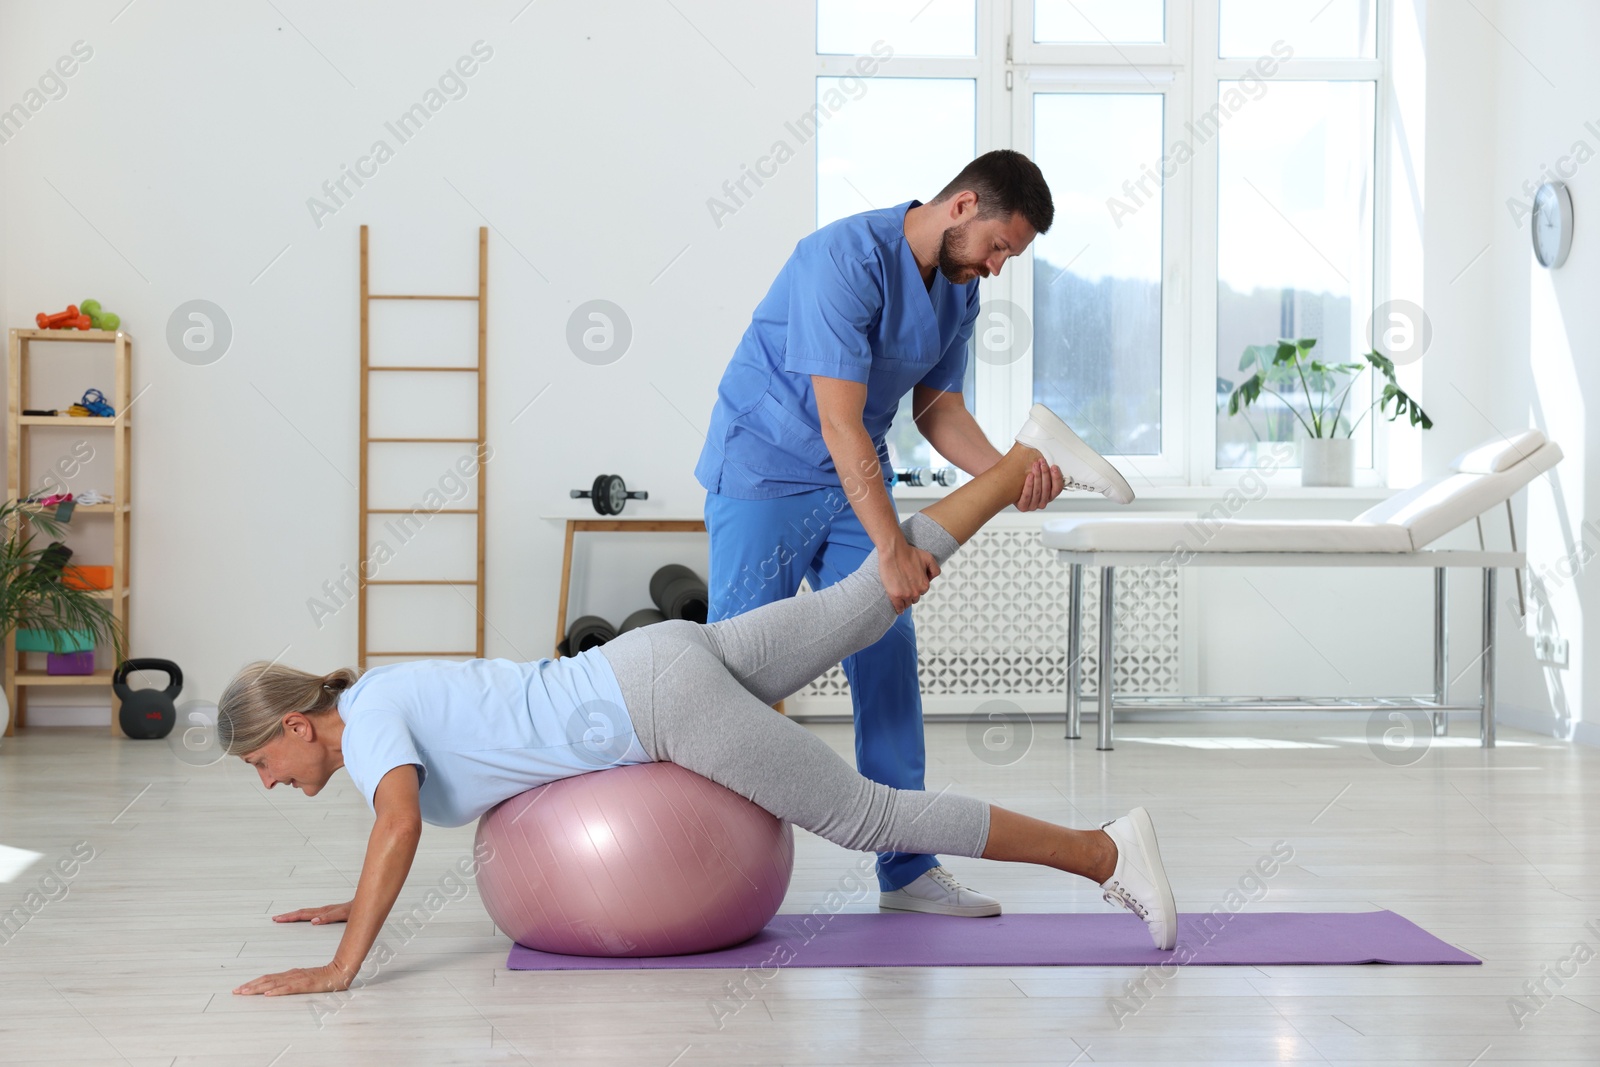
column 1432, row 509
column 1500, row 455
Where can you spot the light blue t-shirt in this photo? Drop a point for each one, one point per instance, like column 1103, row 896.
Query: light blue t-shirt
column 850, row 303
column 483, row 730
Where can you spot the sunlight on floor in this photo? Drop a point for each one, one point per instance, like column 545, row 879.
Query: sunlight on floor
column 1222, row 742
column 1321, row 742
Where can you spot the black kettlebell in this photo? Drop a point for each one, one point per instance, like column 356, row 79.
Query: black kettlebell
column 147, row 714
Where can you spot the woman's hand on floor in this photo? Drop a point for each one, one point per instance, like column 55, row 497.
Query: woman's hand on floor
column 300, row 980
column 333, row 913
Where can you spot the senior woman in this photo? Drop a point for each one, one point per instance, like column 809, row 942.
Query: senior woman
column 442, row 741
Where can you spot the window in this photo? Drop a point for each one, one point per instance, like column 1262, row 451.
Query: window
column 1294, row 247
column 1316, row 29
column 1215, row 168
column 1097, row 274
column 1099, row 21
column 1293, row 86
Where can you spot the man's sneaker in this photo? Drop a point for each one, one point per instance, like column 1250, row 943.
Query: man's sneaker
column 938, row 893
column 1081, row 466
column 1139, row 882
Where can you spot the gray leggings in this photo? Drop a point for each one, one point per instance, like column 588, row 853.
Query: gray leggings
column 700, row 696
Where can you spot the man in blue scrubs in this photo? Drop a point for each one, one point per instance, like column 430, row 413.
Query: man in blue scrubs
column 795, row 467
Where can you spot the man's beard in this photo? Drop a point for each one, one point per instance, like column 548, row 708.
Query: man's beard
column 952, row 247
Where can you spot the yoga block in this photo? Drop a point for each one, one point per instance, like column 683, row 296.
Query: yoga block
column 86, row 577
column 70, row 662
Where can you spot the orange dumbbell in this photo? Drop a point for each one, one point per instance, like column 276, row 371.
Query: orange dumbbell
column 69, row 319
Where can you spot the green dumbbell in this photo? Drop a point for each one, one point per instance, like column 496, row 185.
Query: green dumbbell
column 98, row 318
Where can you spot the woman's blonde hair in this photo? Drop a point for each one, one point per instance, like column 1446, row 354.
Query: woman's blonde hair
column 250, row 713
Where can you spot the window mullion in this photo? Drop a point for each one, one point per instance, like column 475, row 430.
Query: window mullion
column 1202, row 436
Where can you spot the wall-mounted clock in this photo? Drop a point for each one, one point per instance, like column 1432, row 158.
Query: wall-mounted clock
column 1552, row 224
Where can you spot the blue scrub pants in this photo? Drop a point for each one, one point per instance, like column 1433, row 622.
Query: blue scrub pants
column 760, row 549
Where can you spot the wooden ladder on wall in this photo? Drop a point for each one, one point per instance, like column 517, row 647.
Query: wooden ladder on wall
column 367, row 369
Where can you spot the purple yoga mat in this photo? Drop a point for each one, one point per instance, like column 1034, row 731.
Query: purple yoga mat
column 1046, row 940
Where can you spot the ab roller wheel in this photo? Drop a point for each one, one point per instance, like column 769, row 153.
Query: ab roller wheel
column 609, row 493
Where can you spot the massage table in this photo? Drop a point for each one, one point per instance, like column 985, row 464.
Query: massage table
column 1395, row 533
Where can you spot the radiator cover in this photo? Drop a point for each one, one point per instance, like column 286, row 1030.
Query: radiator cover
column 994, row 624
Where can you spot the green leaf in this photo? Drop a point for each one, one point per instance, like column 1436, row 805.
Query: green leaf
column 1286, row 352
column 1246, row 394
column 1254, row 356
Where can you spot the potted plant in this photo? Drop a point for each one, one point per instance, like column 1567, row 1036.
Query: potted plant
column 32, row 594
column 1327, row 452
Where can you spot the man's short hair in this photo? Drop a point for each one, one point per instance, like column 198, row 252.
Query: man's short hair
column 1007, row 183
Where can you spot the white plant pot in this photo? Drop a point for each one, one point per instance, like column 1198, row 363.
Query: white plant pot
column 1327, row 461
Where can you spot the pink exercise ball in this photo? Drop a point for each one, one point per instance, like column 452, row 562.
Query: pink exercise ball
column 644, row 860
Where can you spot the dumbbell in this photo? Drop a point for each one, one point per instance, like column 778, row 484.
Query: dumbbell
column 609, row 493
column 98, row 316
column 922, row 476
column 63, row 320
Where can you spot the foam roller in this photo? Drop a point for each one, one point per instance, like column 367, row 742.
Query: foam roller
column 679, row 593
column 642, row 617
column 588, row 631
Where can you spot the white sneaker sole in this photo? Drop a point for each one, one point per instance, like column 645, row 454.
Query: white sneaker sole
column 1054, row 428
column 1150, row 855
column 930, row 907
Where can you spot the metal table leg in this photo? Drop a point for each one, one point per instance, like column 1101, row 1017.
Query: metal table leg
column 1074, row 651
column 1486, row 725
column 1108, row 599
column 1441, row 650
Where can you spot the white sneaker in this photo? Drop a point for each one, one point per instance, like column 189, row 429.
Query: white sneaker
column 1081, row 466
column 938, row 893
column 1139, row 882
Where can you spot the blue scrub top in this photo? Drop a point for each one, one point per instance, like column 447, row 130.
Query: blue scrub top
column 850, row 303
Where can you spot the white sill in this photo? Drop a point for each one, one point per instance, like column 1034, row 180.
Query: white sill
column 1093, row 502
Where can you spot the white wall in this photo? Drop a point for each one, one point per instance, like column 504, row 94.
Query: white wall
column 182, row 157
column 1540, row 366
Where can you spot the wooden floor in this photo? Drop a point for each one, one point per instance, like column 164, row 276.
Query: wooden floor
column 1498, row 852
